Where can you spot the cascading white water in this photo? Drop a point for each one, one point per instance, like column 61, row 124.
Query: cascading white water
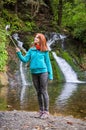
column 22, row 74
column 52, row 40
column 22, row 69
column 69, row 74
column 20, row 44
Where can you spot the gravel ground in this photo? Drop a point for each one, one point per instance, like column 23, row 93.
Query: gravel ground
column 22, row 120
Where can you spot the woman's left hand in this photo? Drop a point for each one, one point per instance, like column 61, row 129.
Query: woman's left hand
column 17, row 49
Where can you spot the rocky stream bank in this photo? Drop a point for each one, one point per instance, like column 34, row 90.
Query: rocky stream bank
column 22, row 120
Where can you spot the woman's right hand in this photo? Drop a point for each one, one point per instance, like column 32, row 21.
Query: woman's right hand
column 17, row 49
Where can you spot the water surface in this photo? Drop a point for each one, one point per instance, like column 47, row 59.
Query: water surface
column 65, row 98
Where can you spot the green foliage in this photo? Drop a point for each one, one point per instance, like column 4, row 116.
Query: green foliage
column 67, row 57
column 54, row 7
column 74, row 18
column 79, row 20
column 13, row 20
column 3, row 104
column 70, row 60
column 73, row 15
column 29, row 26
column 16, row 23
column 3, row 52
column 10, row 1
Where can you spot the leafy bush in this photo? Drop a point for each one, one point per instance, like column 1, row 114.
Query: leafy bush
column 3, row 52
column 74, row 18
column 13, row 20
column 29, row 26
column 16, row 23
column 54, row 7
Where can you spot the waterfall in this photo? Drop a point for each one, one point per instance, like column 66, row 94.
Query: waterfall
column 22, row 74
column 53, row 37
column 69, row 73
column 22, row 68
column 20, row 44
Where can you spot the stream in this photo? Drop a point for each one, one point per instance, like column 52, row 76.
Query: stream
column 67, row 98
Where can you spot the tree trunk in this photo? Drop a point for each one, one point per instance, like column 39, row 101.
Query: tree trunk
column 60, row 8
column 16, row 7
column 1, row 7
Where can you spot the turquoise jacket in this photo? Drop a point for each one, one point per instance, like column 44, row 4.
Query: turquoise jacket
column 39, row 61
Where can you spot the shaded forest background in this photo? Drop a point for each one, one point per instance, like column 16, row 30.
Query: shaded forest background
column 61, row 16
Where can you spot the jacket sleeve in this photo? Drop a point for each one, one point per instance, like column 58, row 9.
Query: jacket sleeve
column 25, row 58
column 49, row 66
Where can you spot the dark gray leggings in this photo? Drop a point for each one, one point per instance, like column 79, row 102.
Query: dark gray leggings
column 40, row 82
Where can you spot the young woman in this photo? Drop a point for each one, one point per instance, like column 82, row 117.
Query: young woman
column 41, row 69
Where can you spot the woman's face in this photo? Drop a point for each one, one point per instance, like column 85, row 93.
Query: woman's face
column 36, row 39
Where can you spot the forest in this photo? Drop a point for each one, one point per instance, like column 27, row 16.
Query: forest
column 61, row 16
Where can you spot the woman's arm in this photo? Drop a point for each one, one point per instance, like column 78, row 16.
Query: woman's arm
column 49, row 66
column 25, row 58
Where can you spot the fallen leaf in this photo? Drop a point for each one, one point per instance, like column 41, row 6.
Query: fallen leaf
column 68, row 122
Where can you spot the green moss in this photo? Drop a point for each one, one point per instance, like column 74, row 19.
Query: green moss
column 3, row 52
column 3, row 104
column 71, row 59
column 58, row 75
